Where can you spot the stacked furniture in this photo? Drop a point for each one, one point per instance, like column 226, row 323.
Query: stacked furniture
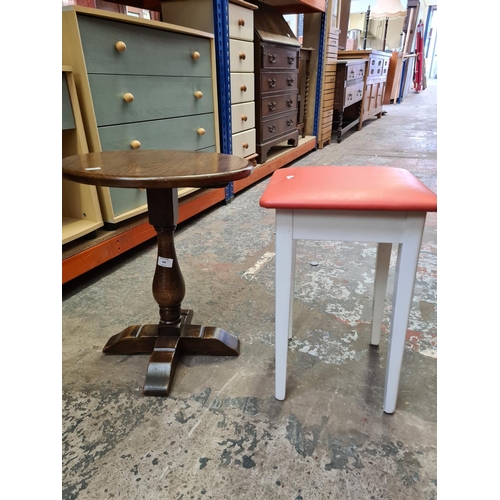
column 81, row 213
column 376, row 78
column 241, row 61
column 349, row 84
column 276, row 80
column 143, row 85
column 328, row 86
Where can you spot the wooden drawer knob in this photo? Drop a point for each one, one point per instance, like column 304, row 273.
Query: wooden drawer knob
column 245, row 145
column 241, row 22
column 135, row 144
column 243, row 88
column 242, row 56
column 120, row 46
column 201, row 131
column 244, row 118
column 198, row 94
column 128, row 97
column 195, row 55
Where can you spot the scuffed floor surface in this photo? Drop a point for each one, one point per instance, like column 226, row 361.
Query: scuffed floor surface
column 222, row 434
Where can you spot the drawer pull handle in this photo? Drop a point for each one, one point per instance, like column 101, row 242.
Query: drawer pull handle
column 243, row 88
column 291, row 59
column 241, row 22
column 244, row 118
column 271, row 128
column 135, row 144
column 289, row 123
column 120, row 46
column 245, row 145
column 242, row 56
column 290, row 81
column 201, row 131
column 128, row 97
column 349, row 97
column 195, row 55
column 271, row 82
column 271, row 58
column 272, row 106
column 361, row 72
column 289, row 102
column 198, row 94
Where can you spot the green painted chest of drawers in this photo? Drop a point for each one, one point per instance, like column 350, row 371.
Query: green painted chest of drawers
column 143, row 85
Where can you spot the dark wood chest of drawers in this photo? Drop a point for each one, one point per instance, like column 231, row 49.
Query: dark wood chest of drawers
column 277, row 54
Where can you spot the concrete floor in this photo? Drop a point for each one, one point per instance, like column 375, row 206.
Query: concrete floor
column 221, row 434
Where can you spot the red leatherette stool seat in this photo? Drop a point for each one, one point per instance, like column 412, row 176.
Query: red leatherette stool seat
column 385, row 205
column 348, row 188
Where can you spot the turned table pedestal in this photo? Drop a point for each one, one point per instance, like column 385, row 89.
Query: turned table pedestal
column 161, row 172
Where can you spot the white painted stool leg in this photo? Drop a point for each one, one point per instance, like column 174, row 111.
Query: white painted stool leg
column 380, row 288
column 284, row 282
column 406, row 270
column 292, row 288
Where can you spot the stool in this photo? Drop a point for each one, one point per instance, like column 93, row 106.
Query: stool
column 384, row 205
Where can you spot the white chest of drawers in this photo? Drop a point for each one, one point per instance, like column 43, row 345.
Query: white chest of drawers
column 143, row 85
column 241, row 64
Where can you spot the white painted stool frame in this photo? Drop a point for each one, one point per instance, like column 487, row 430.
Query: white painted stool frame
column 382, row 227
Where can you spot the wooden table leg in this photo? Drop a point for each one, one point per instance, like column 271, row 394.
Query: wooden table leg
column 174, row 334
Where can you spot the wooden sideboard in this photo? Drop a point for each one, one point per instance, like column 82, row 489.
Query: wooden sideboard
column 376, row 78
column 143, row 85
column 349, row 85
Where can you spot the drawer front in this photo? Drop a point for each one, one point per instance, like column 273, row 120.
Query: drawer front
column 378, row 66
column 240, row 22
column 68, row 121
column 130, row 98
column 174, row 133
column 242, row 87
column 240, row 56
column 277, row 126
column 279, row 104
column 125, row 200
column 355, row 71
column 148, row 51
column 279, row 57
column 244, row 143
column 242, row 117
column 278, row 82
column 353, row 93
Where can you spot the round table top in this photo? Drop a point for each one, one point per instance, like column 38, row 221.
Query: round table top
column 155, row 169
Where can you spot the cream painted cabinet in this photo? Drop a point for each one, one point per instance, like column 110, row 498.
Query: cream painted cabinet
column 81, row 213
column 143, row 85
column 241, row 64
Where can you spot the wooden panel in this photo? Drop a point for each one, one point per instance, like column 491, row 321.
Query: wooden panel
column 278, row 104
column 244, row 143
column 154, row 97
column 242, row 116
column 355, row 71
column 240, row 23
column 278, row 82
column 167, row 53
column 275, row 57
column 242, row 87
column 68, row 121
column 353, row 93
column 278, row 126
column 174, row 133
column 241, row 56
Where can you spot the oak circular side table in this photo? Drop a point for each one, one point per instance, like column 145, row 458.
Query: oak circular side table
column 161, row 172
